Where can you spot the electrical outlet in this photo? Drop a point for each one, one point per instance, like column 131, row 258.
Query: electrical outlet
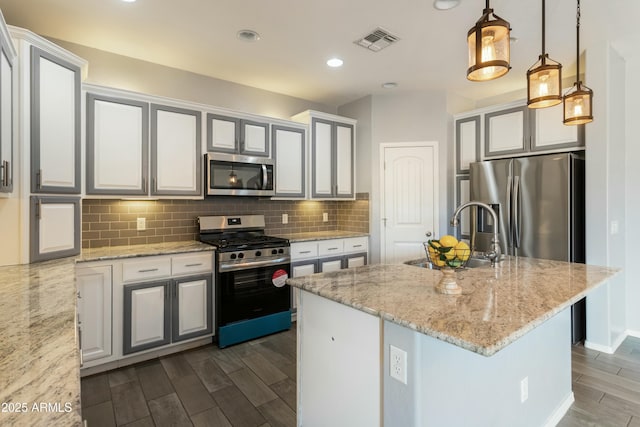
column 325, row 217
column 141, row 224
column 524, row 389
column 285, row 218
column 398, row 364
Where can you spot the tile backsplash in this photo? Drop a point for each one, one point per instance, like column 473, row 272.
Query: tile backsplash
column 113, row 222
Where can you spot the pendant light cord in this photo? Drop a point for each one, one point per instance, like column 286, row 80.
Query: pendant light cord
column 578, row 43
column 543, row 27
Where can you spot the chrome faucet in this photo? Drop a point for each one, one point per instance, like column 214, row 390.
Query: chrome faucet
column 494, row 254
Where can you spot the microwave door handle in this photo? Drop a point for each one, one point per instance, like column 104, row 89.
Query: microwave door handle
column 265, row 176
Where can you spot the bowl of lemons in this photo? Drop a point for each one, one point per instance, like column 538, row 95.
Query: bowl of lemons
column 448, row 254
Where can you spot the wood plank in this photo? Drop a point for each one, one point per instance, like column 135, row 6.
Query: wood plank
column 129, row 403
column 154, row 380
column 210, row 418
column 122, row 376
column 168, row 411
column 237, row 408
column 278, row 413
column 287, row 391
column 227, row 361
column 95, row 389
column 194, row 396
column 579, row 361
column 100, row 415
column 616, row 386
column 176, row 366
column 622, row 406
column 260, row 366
column 251, row 386
column 211, row 375
column 585, row 393
column 200, row 353
column 630, row 374
column 142, row 422
column 601, row 415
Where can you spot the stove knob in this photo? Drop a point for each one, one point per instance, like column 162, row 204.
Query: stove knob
column 258, row 253
column 280, row 251
column 274, row 252
column 232, row 256
column 240, row 255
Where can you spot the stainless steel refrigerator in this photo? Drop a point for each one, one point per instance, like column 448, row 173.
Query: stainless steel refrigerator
column 540, row 205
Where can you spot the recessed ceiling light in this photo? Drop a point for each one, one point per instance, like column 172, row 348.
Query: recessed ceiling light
column 248, row 35
column 389, row 85
column 445, row 4
column 129, row 1
column 335, row 62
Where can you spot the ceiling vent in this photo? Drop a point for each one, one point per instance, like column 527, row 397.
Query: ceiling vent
column 377, row 40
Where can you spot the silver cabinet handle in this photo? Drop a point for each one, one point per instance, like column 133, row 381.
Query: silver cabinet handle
column 80, row 344
column 193, row 265
column 332, row 249
column 359, row 246
column 304, row 252
column 148, row 270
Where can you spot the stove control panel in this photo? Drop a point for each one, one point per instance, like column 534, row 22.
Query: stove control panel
column 255, row 254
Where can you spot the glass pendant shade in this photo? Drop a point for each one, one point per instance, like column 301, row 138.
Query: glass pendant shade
column 544, row 83
column 489, row 44
column 578, row 105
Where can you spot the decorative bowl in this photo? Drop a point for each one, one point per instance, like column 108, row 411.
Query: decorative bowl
column 448, row 255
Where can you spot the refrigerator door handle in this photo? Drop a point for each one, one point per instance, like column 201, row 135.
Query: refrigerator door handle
column 509, row 216
column 516, row 211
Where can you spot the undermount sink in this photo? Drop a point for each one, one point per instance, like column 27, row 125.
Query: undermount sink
column 473, row 262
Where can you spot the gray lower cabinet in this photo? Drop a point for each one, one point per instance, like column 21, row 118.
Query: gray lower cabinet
column 7, row 56
column 159, row 313
column 355, row 260
column 54, row 227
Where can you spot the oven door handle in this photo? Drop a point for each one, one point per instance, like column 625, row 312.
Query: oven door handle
column 253, row 264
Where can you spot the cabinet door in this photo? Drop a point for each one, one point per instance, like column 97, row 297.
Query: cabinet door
column 507, row 131
column 467, row 143
column 6, row 115
column 343, row 160
column 94, row 307
column 146, row 316
column 54, row 227
column 550, row 133
column 462, row 196
column 289, row 156
column 355, row 260
column 117, row 146
column 330, row 264
column 192, row 313
column 254, row 138
column 176, row 164
column 223, row 133
column 322, row 159
column 55, row 124
column 298, row 269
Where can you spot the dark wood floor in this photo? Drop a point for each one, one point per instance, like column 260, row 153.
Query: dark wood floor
column 249, row 384
column 254, row 384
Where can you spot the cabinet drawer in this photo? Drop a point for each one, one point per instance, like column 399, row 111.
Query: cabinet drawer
column 146, row 269
column 192, row 263
column 356, row 244
column 330, row 247
column 304, row 250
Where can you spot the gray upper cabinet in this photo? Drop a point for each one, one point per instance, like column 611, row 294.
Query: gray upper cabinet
column 332, row 159
column 117, row 146
column 7, row 58
column 176, row 151
column 507, row 131
column 235, row 135
column 467, row 142
column 549, row 133
column 55, row 227
column 289, row 153
column 55, row 124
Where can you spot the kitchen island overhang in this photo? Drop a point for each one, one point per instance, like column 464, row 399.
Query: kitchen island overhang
column 510, row 324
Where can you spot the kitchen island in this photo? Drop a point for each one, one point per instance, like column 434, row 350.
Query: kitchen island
column 497, row 355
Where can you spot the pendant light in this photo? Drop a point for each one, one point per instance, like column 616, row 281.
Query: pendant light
column 544, row 78
column 488, row 43
column 578, row 100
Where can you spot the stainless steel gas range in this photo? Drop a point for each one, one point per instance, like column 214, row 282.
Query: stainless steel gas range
column 252, row 299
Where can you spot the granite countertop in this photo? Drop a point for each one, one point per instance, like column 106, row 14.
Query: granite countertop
column 320, row 235
column 497, row 306
column 39, row 357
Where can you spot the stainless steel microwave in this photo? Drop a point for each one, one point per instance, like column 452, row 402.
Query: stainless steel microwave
column 236, row 175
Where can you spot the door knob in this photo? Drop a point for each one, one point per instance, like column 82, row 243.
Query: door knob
column 428, row 234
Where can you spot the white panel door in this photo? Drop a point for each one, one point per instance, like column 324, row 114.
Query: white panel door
column 57, row 227
column 550, row 132
column 118, row 147
column 193, row 305
column 148, row 326
column 57, row 141
column 176, row 148
column 255, row 138
column 322, row 160
column 505, row 131
column 330, row 265
column 288, row 150
column 344, row 161
column 94, row 307
column 298, row 271
column 223, row 133
column 410, row 199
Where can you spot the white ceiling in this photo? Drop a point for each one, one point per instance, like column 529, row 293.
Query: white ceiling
column 298, row 36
